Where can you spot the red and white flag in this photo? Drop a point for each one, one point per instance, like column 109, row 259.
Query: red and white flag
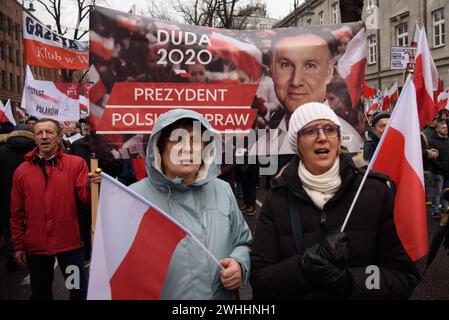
column 101, row 46
column 426, row 81
column 399, row 156
column 6, row 113
column 442, row 101
column 414, row 42
column 372, row 108
column 393, row 93
column 246, row 56
column 351, row 66
column 386, row 103
column 133, row 245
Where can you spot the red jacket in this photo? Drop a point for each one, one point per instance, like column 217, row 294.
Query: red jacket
column 44, row 216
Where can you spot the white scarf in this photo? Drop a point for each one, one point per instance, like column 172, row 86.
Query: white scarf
column 320, row 188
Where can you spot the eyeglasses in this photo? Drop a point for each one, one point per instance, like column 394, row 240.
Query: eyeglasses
column 312, row 133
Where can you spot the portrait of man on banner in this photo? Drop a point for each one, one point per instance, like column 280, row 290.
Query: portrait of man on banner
column 238, row 80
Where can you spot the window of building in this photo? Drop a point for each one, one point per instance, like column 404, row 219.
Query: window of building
column 438, row 28
column 11, row 82
column 3, row 79
column 321, row 16
column 334, row 11
column 17, row 31
column 309, row 22
column 19, row 85
column 402, row 35
column 11, row 56
column 2, row 21
column 2, row 50
column 10, row 26
column 17, row 58
column 372, row 50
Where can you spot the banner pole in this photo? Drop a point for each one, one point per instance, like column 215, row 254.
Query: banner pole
column 94, row 194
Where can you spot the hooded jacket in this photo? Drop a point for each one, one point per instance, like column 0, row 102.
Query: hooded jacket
column 373, row 240
column 207, row 208
column 12, row 154
column 44, row 218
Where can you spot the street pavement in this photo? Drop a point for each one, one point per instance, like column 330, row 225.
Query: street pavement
column 433, row 286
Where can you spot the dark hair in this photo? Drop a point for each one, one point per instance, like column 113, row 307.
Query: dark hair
column 440, row 122
column 31, row 118
column 56, row 123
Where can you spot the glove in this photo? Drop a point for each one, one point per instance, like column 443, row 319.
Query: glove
column 335, row 247
column 319, row 265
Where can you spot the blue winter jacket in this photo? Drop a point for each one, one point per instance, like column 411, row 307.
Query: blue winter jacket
column 208, row 209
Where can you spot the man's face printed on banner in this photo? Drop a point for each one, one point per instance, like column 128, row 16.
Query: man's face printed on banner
column 302, row 67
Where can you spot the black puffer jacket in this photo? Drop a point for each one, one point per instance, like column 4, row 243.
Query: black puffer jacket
column 12, row 154
column 371, row 231
column 441, row 164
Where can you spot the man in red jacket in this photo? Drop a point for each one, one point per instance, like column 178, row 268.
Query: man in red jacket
column 44, row 222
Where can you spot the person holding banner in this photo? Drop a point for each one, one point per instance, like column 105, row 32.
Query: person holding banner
column 182, row 167
column 299, row 251
column 44, row 222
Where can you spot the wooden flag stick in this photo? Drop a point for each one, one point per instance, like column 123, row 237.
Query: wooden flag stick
column 94, row 194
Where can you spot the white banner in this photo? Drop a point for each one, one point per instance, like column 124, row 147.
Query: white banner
column 400, row 57
column 47, row 99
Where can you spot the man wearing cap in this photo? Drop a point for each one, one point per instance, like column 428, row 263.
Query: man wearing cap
column 299, row 251
column 378, row 125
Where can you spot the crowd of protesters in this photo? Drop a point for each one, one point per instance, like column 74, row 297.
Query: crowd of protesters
column 45, row 181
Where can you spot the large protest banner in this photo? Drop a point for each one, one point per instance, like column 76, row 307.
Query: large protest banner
column 238, row 79
column 55, row 100
column 46, row 48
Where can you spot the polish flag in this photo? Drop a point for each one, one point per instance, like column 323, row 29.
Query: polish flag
column 442, row 101
column 372, row 108
column 102, row 47
column 20, row 113
column 386, row 103
column 351, row 66
column 416, row 36
column 399, row 156
column 6, row 113
column 425, row 80
column 245, row 56
column 84, row 104
column 133, row 245
column 393, row 93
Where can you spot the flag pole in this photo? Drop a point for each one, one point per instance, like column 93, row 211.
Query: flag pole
column 94, row 194
column 368, row 169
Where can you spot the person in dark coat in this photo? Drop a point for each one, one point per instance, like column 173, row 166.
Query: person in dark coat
column 309, row 257
column 18, row 143
column 112, row 167
column 440, row 168
column 378, row 125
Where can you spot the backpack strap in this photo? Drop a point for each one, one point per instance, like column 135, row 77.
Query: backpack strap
column 295, row 222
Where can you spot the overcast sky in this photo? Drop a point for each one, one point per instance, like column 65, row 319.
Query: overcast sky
column 276, row 9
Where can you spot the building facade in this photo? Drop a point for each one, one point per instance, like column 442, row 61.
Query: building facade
column 12, row 68
column 397, row 21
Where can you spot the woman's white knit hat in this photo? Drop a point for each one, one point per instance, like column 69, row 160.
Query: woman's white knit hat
column 305, row 114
